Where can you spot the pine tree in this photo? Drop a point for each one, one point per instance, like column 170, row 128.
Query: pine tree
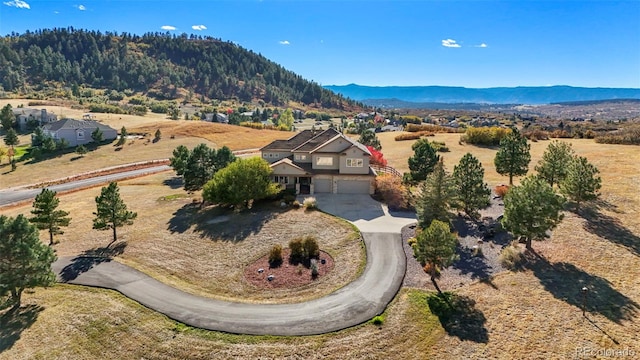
column 435, row 249
column 7, row 119
column 437, row 195
column 555, row 161
column 423, row 160
column 97, row 135
column 472, row 192
column 582, row 182
column 532, row 209
column 45, row 215
column 369, row 138
column 11, row 139
column 123, row 137
column 513, row 157
column 111, row 211
column 81, row 150
column 25, row 262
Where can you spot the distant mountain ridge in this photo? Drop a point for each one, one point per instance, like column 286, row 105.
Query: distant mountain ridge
column 497, row 95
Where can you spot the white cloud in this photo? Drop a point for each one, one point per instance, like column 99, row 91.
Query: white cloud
column 450, row 43
column 199, row 27
column 483, row 45
column 167, row 27
column 18, row 3
column 284, row 42
column 56, row 12
column 81, row 7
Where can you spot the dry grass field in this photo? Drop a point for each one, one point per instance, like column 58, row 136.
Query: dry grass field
column 534, row 313
column 188, row 133
column 205, row 252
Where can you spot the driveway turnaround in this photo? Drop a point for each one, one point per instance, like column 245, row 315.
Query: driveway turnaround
column 354, row 304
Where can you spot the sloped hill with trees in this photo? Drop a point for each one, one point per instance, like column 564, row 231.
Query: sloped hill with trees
column 155, row 63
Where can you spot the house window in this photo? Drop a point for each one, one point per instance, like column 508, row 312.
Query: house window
column 301, row 157
column 265, row 155
column 80, row 135
column 324, row 161
column 355, row 163
column 281, row 179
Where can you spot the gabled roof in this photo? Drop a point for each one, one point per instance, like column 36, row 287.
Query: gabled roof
column 75, row 124
column 290, row 163
column 291, row 143
column 318, row 140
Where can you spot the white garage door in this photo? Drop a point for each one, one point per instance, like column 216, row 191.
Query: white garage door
column 322, row 186
column 353, row 186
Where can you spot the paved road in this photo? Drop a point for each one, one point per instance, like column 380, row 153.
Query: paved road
column 13, row 195
column 355, row 303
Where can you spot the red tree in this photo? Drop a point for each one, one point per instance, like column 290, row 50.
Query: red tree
column 376, row 157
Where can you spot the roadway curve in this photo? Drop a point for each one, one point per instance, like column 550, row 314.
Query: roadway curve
column 354, row 304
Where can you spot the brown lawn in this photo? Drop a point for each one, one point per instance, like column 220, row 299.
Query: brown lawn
column 532, row 314
column 195, row 251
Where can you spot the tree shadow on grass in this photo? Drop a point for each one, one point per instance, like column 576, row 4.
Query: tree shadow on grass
column 174, row 182
column 474, row 265
column 609, row 228
column 90, row 258
column 14, row 322
column 218, row 223
column 565, row 282
column 460, row 319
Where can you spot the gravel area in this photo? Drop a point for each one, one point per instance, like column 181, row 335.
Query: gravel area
column 287, row 275
column 478, row 251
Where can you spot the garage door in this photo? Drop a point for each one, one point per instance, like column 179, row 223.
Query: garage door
column 322, row 186
column 353, row 186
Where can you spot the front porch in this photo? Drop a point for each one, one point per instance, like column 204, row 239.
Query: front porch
column 303, row 185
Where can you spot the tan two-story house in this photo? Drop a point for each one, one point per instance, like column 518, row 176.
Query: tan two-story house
column 321, row 162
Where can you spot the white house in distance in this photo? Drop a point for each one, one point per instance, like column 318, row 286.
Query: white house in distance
column 77, row 132
column 321, row 162
column 24, row 115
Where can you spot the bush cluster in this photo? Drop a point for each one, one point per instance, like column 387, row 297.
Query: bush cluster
column 536, row 134
column 626, row 136
column 275, row 256
column 392, row 191
column 510, row 257
column 501, row 190
column 439, row 146
column 303, row 249
column 413, row 135
column 431, row 128
column 487, row 136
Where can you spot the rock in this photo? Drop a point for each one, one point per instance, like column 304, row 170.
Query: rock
column 323, row 261
column 260, row 271
column 283, row 204
column 270, row 277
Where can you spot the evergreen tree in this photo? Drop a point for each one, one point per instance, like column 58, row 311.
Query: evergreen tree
column 38, row 137
column 532, row 209
column 582, row 181
column 369, row 138
column 81, row 150
column 7, row 120
column 437, row 195
column 24, row 261
column 97, row 135
column 11, row 139
column 555, row 161
column 179, row 160
column 513, row 157
column 46, row 216
column 123, row 137
column 157, row 136
column 423, row 160
column 435, row 249
column 472, row 192
column 111, row 211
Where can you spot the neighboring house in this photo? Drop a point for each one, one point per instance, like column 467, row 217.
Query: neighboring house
column 217, row 117
column 321, row 162
column 77, row 132
column 25, row 115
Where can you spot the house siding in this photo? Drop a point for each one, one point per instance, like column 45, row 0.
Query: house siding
column 354, row 153
column 273, row 156
column 337, row 145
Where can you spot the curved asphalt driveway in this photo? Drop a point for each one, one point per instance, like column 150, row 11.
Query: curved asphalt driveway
column 355, row 303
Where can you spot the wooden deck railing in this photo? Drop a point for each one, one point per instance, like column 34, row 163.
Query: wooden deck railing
column 386, row 170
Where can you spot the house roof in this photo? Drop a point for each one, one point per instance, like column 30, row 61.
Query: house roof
column 291, row 143
column 75, row 124
column 317, row 140
column 289, row 162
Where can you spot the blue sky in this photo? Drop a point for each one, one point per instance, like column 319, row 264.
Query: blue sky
column 385, row 42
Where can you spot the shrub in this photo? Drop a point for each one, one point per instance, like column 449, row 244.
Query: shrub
column 536, row 134
column 562, row 134
column 310, row 247
column 297, row 250
column 275, row 256
column 477, row 251
column 296, row 204
column 439, row 146
column 392, row 191
column 487, row 136
column 314, row 269
column 413, row 135
column 377, row 320
column 511, row 257
column 501, row 190
column 412, row 241
column 627, row 136
column 431, row 128
column 289, row 199
column 310, row 203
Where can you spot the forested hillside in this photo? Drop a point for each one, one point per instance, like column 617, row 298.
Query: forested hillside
column 155, row 63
